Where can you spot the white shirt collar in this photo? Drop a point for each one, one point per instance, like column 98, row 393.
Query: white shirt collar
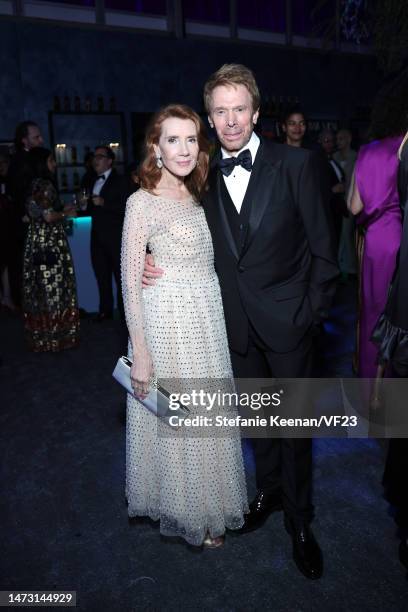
column 105, row 174
column 252, row 145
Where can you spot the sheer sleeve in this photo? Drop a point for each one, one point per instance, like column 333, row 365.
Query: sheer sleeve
column 137, row 229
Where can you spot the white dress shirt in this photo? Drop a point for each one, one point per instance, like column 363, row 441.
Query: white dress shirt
column 99, row 183
column 237, row 181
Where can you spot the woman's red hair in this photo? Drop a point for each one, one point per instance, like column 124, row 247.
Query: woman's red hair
column 149, row 174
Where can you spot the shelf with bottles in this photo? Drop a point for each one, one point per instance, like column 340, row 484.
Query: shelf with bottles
column 76, row 134
column 69, row 155
column 68, row 180
column 64, row 105
column 84, row 112
column 79, row 165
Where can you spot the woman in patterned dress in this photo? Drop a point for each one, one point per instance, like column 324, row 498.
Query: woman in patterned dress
column 50, row 307
column 193, row 483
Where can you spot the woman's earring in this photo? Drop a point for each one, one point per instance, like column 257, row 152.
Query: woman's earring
column 197, row 163
column 159, row 163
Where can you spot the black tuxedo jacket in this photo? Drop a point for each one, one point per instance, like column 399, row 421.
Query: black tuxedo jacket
column 280, row 276
column 109, row 217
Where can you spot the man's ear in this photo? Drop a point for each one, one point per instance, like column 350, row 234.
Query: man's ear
column 255, row 117
column 210, row 121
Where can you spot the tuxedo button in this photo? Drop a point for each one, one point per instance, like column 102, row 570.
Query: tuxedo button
column 241, row 268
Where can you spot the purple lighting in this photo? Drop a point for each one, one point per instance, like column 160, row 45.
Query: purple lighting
column 210, row 11
column 149, row 7
column 308, row 20
column 262, row 15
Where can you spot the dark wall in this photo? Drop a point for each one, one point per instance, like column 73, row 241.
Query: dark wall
column 145, row 71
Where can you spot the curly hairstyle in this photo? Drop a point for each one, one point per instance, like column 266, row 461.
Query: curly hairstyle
column 149, row 174
column 389, row 115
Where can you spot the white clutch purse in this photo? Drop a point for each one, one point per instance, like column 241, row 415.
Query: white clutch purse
column 157, row 401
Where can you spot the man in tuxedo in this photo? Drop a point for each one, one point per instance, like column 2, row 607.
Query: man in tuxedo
column 276, row 265
column 335, row 182
column 107, row 205
column 27, row 136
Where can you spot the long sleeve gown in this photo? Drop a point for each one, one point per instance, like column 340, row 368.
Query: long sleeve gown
column 193, row 483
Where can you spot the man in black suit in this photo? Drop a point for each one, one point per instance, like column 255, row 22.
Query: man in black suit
column 276, row 265
column 107, row 208
column 27, row 136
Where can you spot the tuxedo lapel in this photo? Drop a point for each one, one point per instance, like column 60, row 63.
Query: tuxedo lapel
column 260, row 192
column 216, row 197
column 106, row 184
column 257, row 197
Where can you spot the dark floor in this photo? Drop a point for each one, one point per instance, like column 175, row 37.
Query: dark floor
column 64, row 521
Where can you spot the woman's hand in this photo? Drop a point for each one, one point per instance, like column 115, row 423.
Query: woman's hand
column 50, row 216
column 354, row 202
column 98, row 201
column 70, row 211
column 339, row 188
column 141, row 372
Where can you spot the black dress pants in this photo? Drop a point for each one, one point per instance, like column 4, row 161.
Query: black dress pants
column 105, row 255
column 281, row 463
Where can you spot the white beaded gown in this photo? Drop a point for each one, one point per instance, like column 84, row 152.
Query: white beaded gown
column 193, row 485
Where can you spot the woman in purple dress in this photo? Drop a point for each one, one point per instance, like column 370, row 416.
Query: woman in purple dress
column 375, row 202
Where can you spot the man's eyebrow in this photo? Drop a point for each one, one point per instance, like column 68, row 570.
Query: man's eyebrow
column 233, row 108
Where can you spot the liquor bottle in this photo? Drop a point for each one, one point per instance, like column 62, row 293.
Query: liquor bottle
column 64, row 180
column 77, row 103
column 281, row 106
column 76, row 180
column 112, row 104
column 57, row 104
column 266, row 106
column 88, row 104
column 67, row 104
column 100, row 104
column 74, row 156
column 272, row 107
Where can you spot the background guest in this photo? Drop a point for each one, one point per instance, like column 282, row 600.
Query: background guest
column 334, row 178
column 27, row 136
column 375, row 201
column 345, row 157
column 294, row 127
column 6, row 234
column 109, row 193
column 391, row 335
column 51, row 316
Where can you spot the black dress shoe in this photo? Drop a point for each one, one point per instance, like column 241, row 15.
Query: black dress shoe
column 306, row 551
column 403, row 553
column 259, row 510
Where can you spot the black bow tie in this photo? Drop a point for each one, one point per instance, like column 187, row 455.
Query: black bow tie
column 228, row 164
column 102, row 177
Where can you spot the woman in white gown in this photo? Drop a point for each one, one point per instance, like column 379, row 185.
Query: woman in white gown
column 194, row 484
